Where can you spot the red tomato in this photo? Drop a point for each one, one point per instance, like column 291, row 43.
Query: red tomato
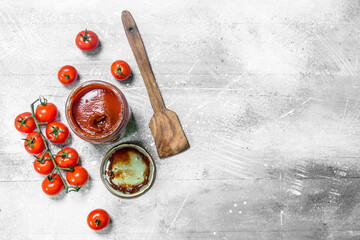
column 98, row 219
column 120, row 70
column 78, row 177
column 67, row 157
column 46, row 113
column 57, row 132
column 43, row 164
column 52, row 185
column 25, row 123
column 34, row 143
column 87, row 40
column 67, row 75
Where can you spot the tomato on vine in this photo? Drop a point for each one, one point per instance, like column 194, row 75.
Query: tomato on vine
column 67, row 75
column 46, row 112
column 87, row 40
column 43, row 164
column 25, row 123
column 120, row 70
column 57, row 132
column 67, row 157
column 98, row 219
column 34, row 143
column 52, row 185
column 78, row 177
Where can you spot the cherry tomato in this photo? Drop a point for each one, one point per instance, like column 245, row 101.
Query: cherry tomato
column 57, row 132
column 98, row 219
column 43, row 164
column 67, row 157
column 78, row 177
column 46, row 113
column 25, row 123
column 52, row 185
column 120, row 70
column 34, row 143
column 67, row 75
column 87, row 40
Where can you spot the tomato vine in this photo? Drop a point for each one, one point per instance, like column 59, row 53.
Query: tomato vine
column 47, row 150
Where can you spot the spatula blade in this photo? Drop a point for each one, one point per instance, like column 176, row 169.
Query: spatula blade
column 168, row 134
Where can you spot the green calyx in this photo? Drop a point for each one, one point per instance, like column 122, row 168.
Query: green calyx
column 67, row 77
column 73, row 189
column 97, row 222
column 31, row 141
column 41, row 159
column 118, row 70
column 56, row 131
column 71, row 169
column 86, row 37
column 64, row 154
column 43, row 101
column 50, row 178
column 22, row 122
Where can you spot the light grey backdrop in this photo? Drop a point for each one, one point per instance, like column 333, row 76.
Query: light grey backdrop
column 268, row 95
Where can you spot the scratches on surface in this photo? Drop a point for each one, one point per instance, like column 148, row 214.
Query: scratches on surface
column 337, row 57
column 344, row 114
column 160, row 8
column 306, row 101
column 192, row 67
column 136, row 98
column 178, row 212
column 173, row 101
column 356, row 64
column 1, row 15
column 286, row 114
column 8, row 53
column 232, row 158
column 292, row 111
column 330, row 191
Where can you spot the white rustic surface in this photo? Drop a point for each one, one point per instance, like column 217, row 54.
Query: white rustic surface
column 268, row 93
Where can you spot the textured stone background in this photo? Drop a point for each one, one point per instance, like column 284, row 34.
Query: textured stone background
column 268, row 93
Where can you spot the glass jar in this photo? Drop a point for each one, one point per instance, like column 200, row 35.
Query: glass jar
column 97, row 112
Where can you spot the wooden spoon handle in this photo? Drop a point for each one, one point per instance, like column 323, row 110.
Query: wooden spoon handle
column 142, row 60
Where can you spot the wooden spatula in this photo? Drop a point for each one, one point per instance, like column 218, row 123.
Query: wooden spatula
column 164, row 124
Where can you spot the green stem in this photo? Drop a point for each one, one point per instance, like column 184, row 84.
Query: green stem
column 52, row 171
column 56, row 167
column 67, row 77
column 67, row 169
column 118, row 70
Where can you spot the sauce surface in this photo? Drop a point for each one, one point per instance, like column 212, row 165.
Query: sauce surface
column 96, row 110
column 128, row 170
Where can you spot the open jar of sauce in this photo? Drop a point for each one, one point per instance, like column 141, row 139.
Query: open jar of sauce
column 97, row 112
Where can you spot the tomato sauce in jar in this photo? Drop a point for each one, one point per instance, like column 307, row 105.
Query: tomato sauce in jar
column 97, row 111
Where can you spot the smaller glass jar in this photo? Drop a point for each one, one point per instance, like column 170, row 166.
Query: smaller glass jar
column 97, row 112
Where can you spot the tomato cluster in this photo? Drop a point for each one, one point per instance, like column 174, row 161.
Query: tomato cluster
column 46, row 163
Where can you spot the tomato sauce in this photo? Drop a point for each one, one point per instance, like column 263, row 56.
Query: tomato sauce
column 96, row 110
